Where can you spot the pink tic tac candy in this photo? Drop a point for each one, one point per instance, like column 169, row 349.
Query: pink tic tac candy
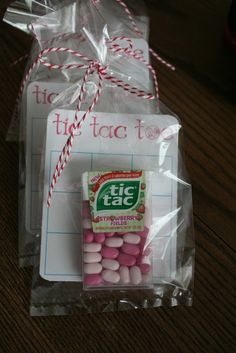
column 126, row 260
column 93, row 280
column 144, row 233
column 88, row 236
column 130, row 249
column 147, row 251
column 87, row 224
column 145, row 264
column 109, row 253
column 145, row 268
column 99, row 237
column 109, row 234
column 86, row 210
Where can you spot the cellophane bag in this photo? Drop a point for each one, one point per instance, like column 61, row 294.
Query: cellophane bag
column 34, row 106
column 114, row 203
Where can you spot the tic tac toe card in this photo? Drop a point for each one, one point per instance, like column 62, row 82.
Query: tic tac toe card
column 108, row 141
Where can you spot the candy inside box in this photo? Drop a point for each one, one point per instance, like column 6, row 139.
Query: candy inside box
column 116, row 212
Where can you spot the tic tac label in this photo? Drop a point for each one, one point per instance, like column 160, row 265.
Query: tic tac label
column 117, row 200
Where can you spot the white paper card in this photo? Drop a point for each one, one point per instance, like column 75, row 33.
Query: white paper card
column 40, row 96
column 108, row 141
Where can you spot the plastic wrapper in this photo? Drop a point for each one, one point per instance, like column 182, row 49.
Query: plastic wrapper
column 68, row 36
column 22, row 13
column 168, row 250
column 96, row 106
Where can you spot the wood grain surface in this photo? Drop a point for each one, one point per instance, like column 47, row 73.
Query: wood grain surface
column 208, row 326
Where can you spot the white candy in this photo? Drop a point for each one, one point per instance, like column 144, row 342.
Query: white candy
column 124, row 275
column 92, row 257
column 87, row 224
column 92, row 247
column 110, row 276
column 92, row 268
column 131, row 238
column 135, row 275
column 114, row 242
column 110, row 264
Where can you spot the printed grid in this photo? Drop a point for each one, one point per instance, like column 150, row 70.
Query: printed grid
column 62, row 193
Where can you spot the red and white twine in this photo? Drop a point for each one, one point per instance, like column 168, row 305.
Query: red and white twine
column 91, row 66
column 140, row 34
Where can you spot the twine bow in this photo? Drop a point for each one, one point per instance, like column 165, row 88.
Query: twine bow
column 90, row 66
column 103, row 74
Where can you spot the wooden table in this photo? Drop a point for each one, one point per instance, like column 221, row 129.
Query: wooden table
column 208, row 326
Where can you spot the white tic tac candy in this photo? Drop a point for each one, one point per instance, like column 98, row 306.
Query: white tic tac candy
column 110, row 276
column 114, row 242
column 92, row 247
column 124, row 275
column 87, row 224
column 135, row 275
column 92, row 268
column 92, row 257
column 110, row 264
column 131, row 238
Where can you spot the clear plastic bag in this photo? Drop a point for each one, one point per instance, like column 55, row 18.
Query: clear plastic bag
column 21, row 13
column 105, row 118
column 171, row 238
column 68, row 36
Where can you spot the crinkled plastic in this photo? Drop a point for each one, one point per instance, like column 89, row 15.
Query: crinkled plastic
column 21, row 13
column 171, row 241
column 70, row 36
column 150, row 142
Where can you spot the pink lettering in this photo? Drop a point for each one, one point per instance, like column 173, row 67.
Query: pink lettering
column 120, row 132
column 105, row 128
column 70, row 130
column 57, row 122
column 108, row 131
column 94, row 125
column 50, row 97
column 140, row 128
column 42, row 96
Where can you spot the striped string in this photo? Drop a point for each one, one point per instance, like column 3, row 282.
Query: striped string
column 90, row 66
column 140, row 34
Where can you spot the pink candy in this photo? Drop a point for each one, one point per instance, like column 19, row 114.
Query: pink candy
column 126, row 260
column 109, row 253
column 109, row 234
column 86, row 210
column 114, row 258
column 144, row 233
column 145, row 265
column 99, row 237
column 88, row 236
column 130, row 249
column 93, row 280
column 145, row 268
